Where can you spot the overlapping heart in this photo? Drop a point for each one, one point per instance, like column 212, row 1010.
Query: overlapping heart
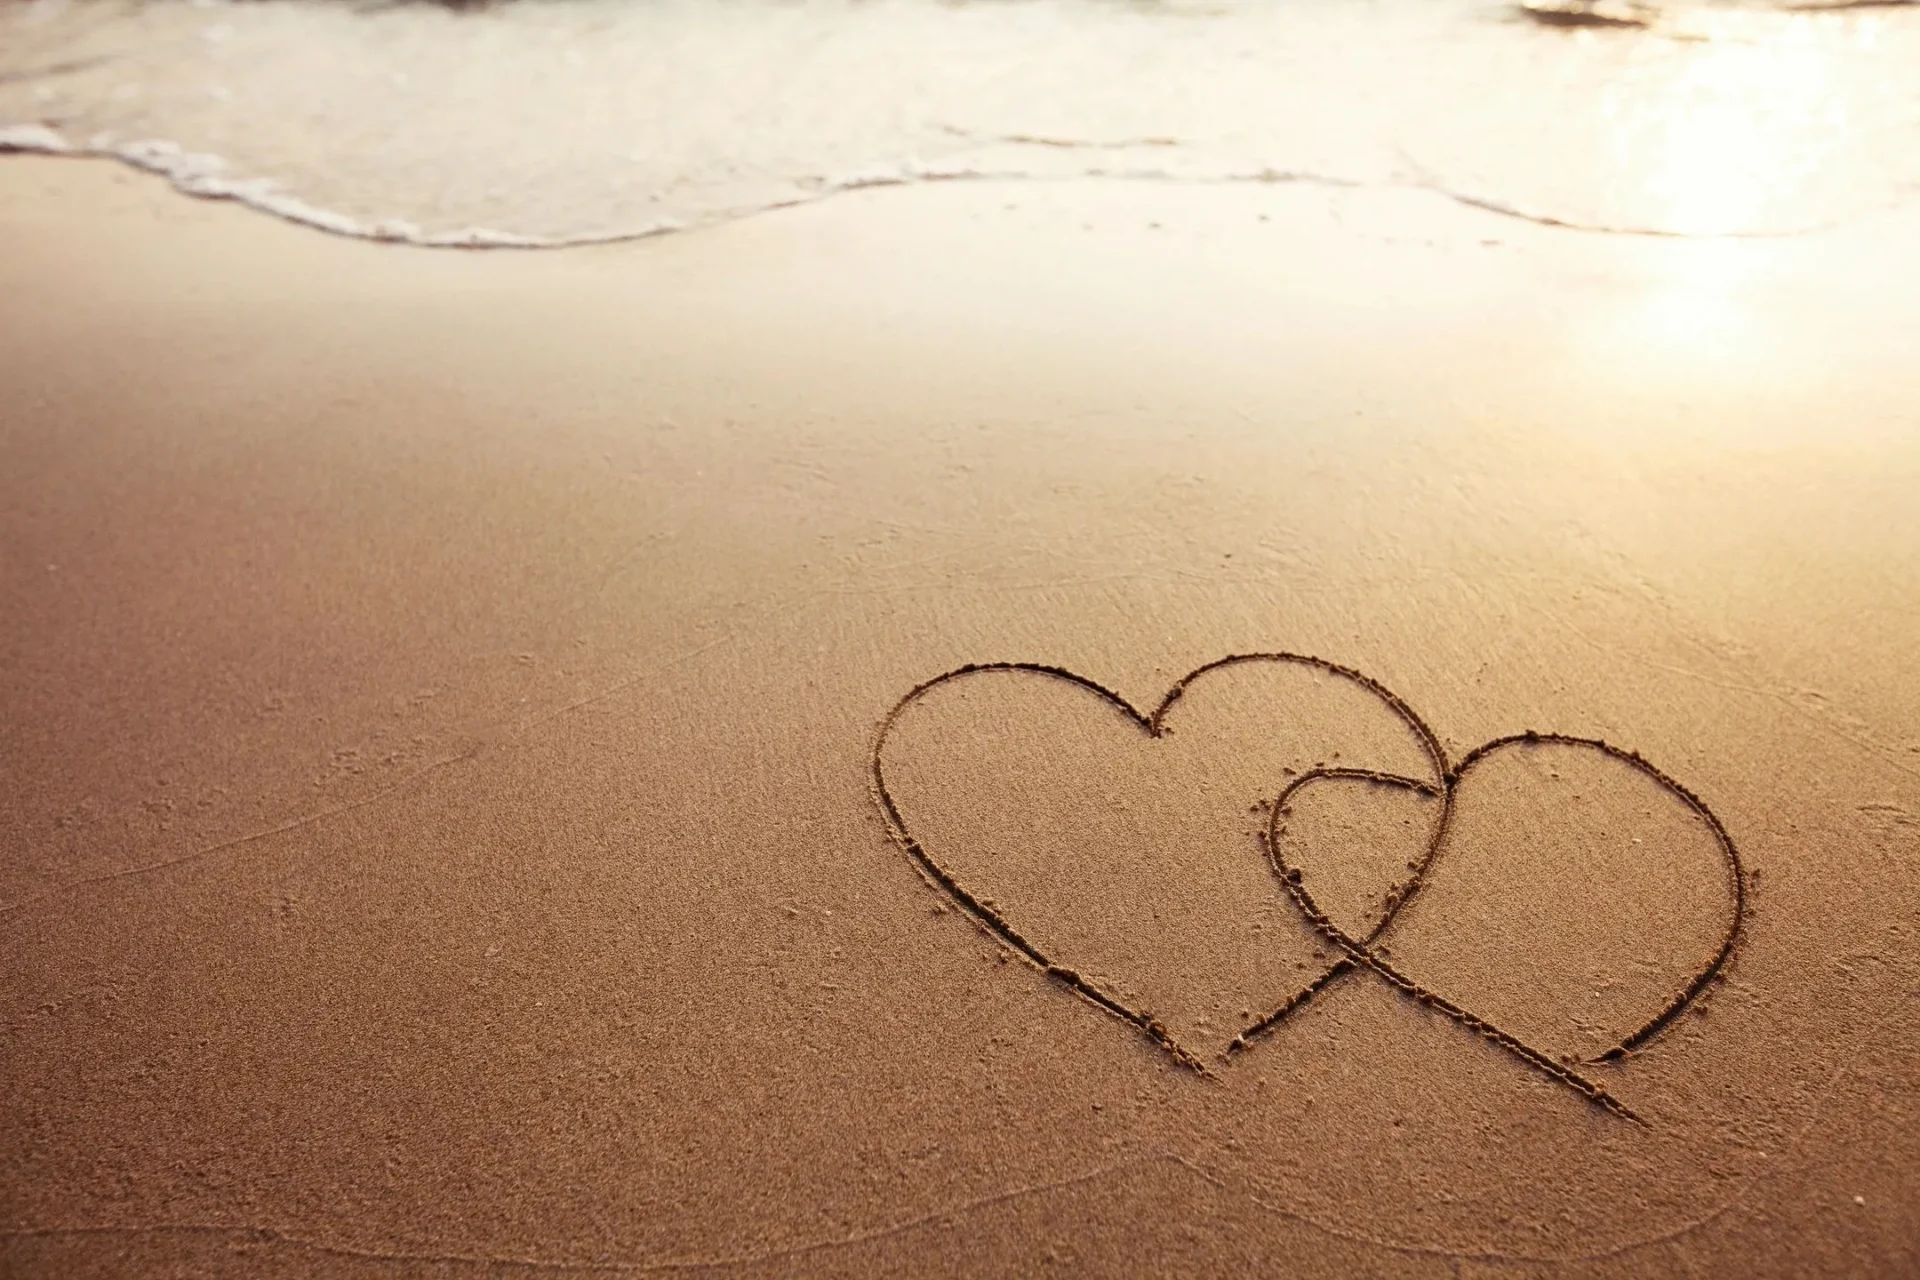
column 1355, row 948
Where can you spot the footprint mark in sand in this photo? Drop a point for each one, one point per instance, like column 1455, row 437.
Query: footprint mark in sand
column 1358, row 950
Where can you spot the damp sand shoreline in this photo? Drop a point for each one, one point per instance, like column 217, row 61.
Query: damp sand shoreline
column 443, row 693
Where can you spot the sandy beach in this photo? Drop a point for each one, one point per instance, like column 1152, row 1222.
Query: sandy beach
column 482, row 799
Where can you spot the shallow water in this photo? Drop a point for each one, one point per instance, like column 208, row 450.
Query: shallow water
column 536, row 123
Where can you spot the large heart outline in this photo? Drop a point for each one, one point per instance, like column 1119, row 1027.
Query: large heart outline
column 1151, row 723
column 1355, row 953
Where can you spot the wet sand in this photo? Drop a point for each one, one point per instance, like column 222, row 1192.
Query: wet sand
column 443, row 694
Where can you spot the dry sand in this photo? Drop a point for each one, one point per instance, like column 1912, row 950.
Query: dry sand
column 442, row 694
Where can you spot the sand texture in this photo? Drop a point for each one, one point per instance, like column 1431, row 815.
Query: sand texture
column 482, row 799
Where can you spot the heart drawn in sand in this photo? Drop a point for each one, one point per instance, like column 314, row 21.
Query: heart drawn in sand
column 1279, row 822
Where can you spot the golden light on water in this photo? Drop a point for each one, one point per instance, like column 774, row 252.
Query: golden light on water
column 1745, row 122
